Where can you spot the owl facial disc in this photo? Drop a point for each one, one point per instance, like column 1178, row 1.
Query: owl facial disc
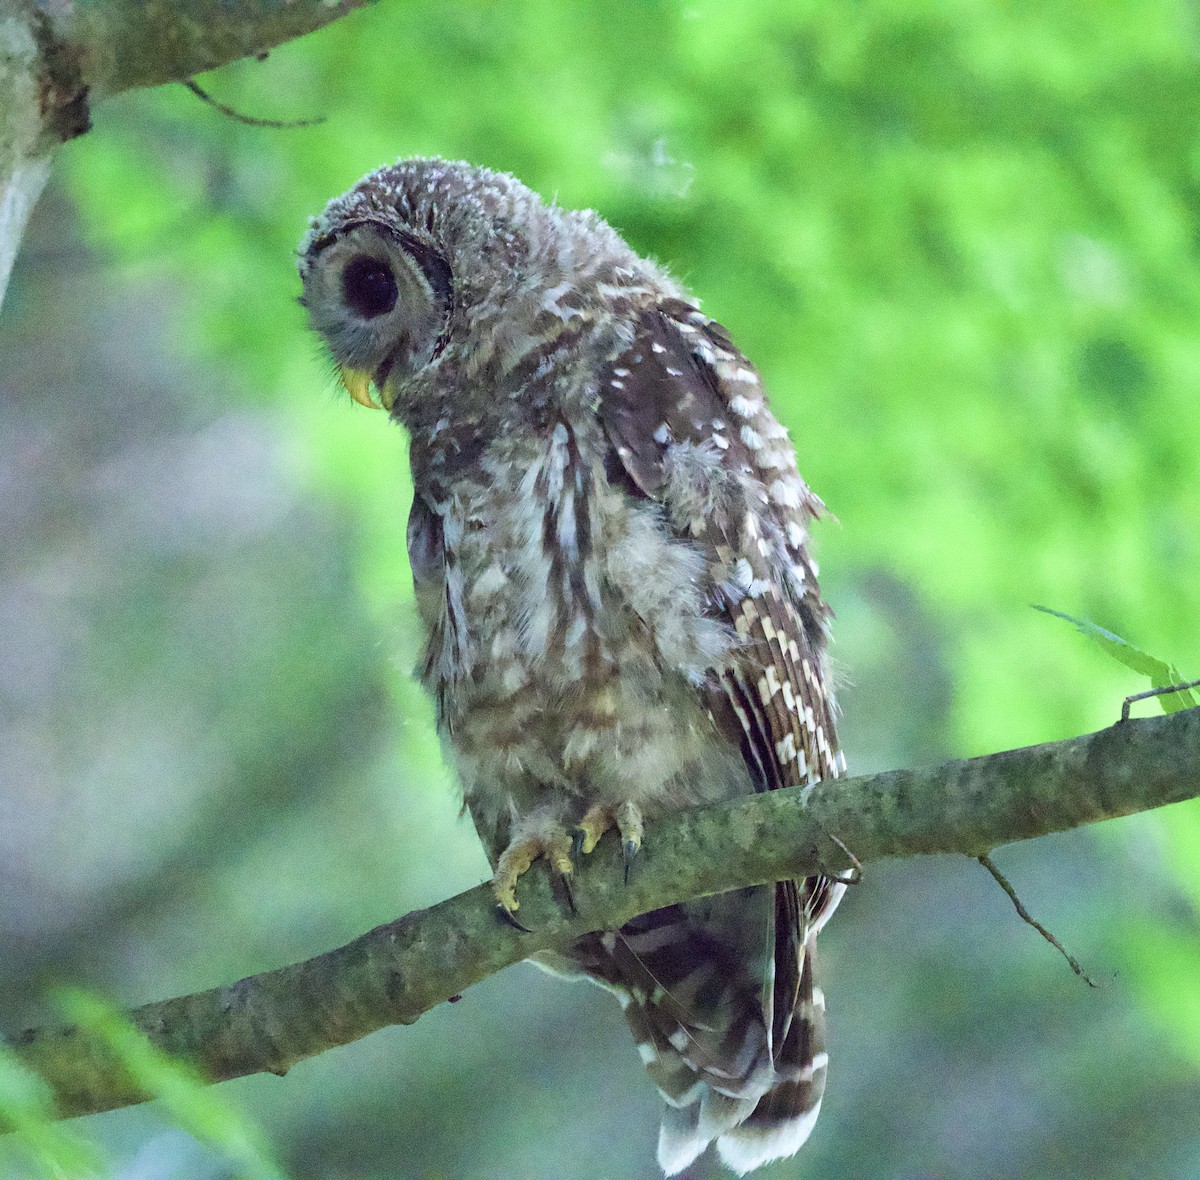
column 381, row 297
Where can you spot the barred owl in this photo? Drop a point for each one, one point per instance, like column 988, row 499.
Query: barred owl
column 609, row 544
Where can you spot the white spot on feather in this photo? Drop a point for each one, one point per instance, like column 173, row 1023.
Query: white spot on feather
column 785, row 492
column 768, row 684
column 737, row 372
column 742, row 575
column 786, row 748
column 550, row 302
column 745, row 407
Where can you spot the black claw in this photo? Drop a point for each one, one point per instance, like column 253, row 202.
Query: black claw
column 577, row 842
column 629, row 850
column 566, row 885
column 510, row 919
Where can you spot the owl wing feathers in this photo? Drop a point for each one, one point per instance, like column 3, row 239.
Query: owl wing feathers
column 687, row 420
column 689, row 429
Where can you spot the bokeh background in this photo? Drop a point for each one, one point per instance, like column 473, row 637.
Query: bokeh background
column 960, row 241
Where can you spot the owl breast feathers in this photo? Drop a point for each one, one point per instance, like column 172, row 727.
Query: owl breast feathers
column 609, row 542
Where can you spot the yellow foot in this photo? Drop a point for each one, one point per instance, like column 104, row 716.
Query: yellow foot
column 555, row 846
column 625, row 817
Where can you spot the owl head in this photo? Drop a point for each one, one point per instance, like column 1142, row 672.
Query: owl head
column 429, row 267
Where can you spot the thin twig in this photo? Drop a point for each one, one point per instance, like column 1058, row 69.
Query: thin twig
column 1025, row 915
column 856, row 870
column 1161, row 691
column 250, row 120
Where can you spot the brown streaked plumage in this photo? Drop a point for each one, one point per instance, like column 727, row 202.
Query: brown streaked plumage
column 609, row 541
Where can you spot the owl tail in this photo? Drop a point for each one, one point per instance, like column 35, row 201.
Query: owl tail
column 730, row 1024
column 784, row 1117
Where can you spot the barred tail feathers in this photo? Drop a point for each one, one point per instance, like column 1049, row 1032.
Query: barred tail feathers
column 721, row 999
column 785, row 1115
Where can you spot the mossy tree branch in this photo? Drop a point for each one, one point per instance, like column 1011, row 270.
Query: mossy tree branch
column 57, row 58
column 395, row 972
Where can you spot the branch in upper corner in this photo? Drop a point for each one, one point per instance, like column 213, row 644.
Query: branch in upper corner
column 394, row 973
column 59, row 58
column 125, row 44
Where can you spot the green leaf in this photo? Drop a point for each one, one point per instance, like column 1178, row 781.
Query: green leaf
column 27, row 1110
column 195, row 1106
column 1160, row 673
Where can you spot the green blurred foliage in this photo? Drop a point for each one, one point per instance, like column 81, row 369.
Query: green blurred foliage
column 960, row 243
column 956, row 239
column 50, row 1149
column 59, row 1153
column 195, row 1106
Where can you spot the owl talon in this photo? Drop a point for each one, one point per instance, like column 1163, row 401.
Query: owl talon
column 629, row 824
column 515, row 861
column 626, row 818
column 509, row 919
column 596, row 821
column 565, row 881
column 629, row 850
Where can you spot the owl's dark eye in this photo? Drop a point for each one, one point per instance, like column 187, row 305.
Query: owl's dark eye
column 369, row 287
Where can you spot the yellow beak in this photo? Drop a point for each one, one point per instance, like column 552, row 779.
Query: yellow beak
column 358, row 386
